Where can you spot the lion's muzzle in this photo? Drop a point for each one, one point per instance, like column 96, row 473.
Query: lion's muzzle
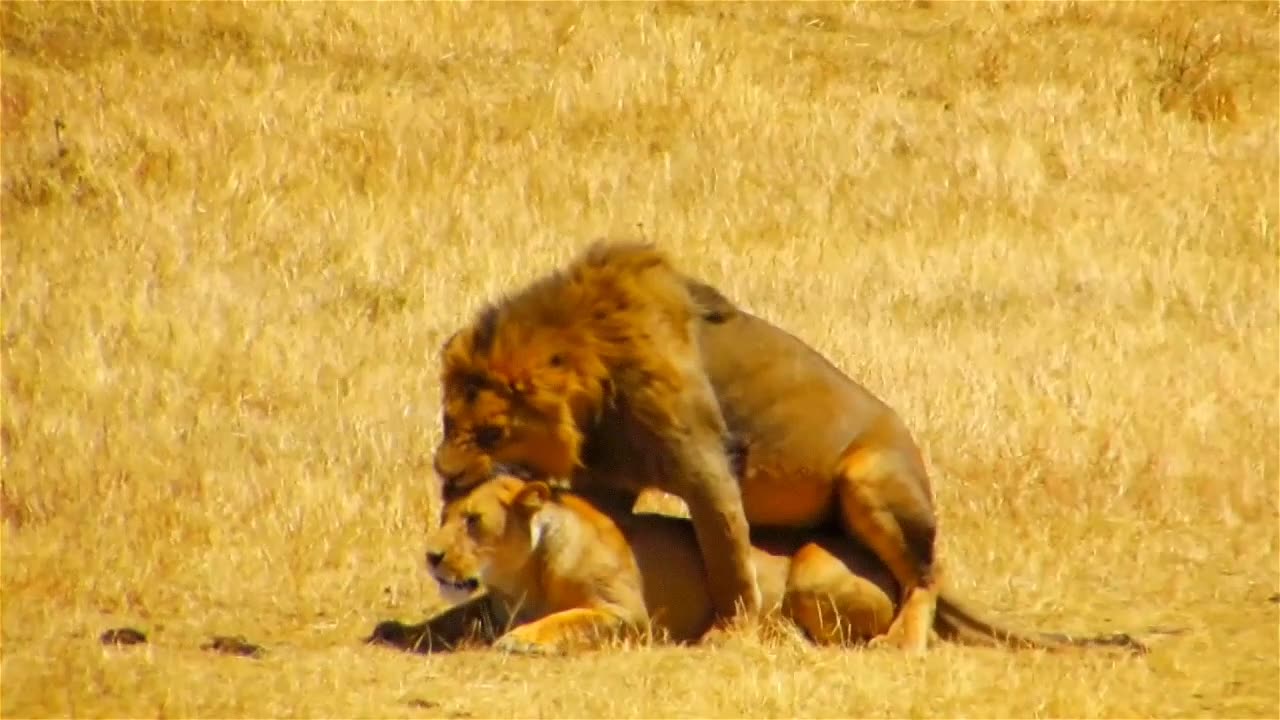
column 448, row 472
column 458, row 473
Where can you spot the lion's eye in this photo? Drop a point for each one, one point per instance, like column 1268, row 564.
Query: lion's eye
column 488, row 435
column 471, row 389
column 557, row 360
column 472, row 520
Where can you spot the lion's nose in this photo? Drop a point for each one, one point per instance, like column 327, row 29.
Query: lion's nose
column 434, row 558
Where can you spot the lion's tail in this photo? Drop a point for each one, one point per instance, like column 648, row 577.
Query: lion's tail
column 955, row 623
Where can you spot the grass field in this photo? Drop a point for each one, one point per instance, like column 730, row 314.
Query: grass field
column 234, row 237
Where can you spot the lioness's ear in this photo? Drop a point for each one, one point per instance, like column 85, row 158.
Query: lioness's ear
column 532, row 496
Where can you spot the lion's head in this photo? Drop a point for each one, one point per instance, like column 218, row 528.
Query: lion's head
column 486, row 536
column 526, row 379
column 518, row 394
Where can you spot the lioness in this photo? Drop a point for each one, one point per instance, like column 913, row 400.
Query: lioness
column 621, row 373
column 567, row 575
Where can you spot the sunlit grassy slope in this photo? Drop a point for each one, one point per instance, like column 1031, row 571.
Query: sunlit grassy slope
column 234, row 237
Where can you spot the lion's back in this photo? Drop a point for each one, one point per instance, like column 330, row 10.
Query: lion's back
column 784, row 399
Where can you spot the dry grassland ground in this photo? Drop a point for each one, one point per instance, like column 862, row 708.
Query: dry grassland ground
column 234, row 237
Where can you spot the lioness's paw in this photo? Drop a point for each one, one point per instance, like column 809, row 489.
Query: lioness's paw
column 516, row 644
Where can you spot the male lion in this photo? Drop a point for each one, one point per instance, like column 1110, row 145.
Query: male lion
column 621, row 373
column 562, row 574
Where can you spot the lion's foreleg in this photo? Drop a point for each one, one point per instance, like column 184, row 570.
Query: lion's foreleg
column 720, row 525
column 686, row 432
column 578, row 628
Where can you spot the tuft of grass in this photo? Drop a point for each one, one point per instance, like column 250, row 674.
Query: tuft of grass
column 234, row 235
column 1190, row 79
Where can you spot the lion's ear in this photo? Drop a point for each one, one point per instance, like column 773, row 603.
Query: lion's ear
column 532, row 497
column 715, row 307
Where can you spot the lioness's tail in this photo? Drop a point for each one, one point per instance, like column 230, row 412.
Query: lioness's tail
column 958, row 624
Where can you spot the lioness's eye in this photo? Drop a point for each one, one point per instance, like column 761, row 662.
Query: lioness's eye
column 488, row 435
column 472, row 520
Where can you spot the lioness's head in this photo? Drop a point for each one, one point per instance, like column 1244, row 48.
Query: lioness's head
column 519, row 384
column 486, row 536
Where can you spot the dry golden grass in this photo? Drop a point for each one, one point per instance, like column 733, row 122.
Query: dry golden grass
column 234, row 237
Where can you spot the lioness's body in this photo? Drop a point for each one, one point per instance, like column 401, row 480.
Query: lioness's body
column 564, row 574
column 623, row 374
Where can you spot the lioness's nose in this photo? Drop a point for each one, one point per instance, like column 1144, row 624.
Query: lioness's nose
column 434, row 558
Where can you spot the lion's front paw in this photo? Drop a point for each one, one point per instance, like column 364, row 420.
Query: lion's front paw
column 726, row 633
column 897, row 639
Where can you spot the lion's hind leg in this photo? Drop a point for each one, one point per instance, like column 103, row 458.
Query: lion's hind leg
column 573, row 629
column 838, row 599
column 885, row 504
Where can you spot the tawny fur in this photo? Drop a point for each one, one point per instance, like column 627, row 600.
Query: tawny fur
column 621, row 373
column 606, row 348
